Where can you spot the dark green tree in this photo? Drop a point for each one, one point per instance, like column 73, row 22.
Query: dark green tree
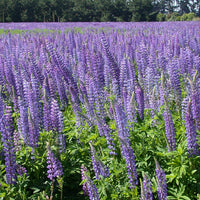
column 142, row 10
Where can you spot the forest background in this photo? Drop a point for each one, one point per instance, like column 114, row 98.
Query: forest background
column 98, row 10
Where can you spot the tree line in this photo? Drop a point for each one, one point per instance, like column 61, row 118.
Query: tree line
column 95, row 10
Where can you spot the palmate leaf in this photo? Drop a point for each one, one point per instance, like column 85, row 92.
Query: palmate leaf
column 178, row 193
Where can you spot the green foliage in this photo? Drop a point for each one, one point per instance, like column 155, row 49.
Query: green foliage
column 148, row 141
column 187, row 17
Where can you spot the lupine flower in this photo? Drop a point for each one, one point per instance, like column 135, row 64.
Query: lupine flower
column 8, row 146
column 21, row 170
column 98, row 166
column 111, row 62
column 62, row 145
column 174, row 79
column 53, row 165
column 146, row 190
column 131, row 108
column 140, row 101
column 1, row 108
column 191, row 132
column 161, row 182
column 169, row 128
column 16, row 140
column 56, row 117
column 76, row 107
column 46, row 113
column 126, row 149
column 195, row 100
column 104, row 130
column 88, row 186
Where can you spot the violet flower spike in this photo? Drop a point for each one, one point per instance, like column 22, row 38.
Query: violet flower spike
column 161, row 182
column 88, row 186
column 191, row 132
column 146, row 188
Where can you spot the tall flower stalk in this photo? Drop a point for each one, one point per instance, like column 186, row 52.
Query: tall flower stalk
column 7, row 130
column 146, row 190
column 169, row 128
column 161, row 182
column 88, row 186
column 191, row 132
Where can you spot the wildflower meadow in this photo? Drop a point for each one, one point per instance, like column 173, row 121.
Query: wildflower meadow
column 100, row 111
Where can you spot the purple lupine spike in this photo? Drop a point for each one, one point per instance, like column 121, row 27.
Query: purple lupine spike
column 33, row 134
column 111, row 62
column 61, row 89
column 140, row 101
column 56, row 117
column 88, row 186
column 174, row 79
column 169, row 128
column 16, row 141
column 184, row 105
column 1, row 108
column 53, row 165
column 84, row 172
column 126, row 149
column 196, row 63
column 98, row 166
column 128, row 155
column 97, row 72
column 153, row 106
column 132, row 77
column 107, row 75
column 146, row 189
column 21, row 170
column 75, row 106
column 46, row 113
column 107, row 133
column 35, row 69
column 58, row 62
column 161, row 182
column 131, row 108
column 24, row 128
column 191, row 132
column 19, row 82
column 123, row 75
column 90, row 92
column 38, row 117
column 121, row 120
column 90, row 112
column 195, row 100
column 7, row 130
column 62, row 142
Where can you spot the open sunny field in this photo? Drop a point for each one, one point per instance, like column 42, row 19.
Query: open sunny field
column 107, row 111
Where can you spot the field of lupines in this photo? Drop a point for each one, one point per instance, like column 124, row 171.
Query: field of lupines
column 107, row 111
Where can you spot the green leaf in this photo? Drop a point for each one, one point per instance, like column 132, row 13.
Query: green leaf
column 2, row 194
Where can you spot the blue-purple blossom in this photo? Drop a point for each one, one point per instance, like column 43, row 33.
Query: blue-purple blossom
column 88, row 186
column 53, row 165
column 56, row 116
column 169, row 129
column 7, row 130
column 161, row 182
column 21, row 170
column 125, row 144
column 146, row 189
column 191, row 132
column 140, row 101
column 24, row 127
column 16, row 141
column 98, row 166
column 195, row 100
column 62, row 143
